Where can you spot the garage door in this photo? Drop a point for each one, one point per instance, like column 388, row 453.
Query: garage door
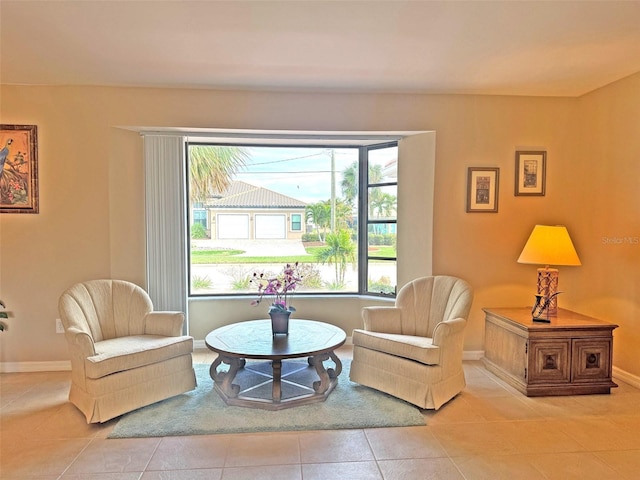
column 271, row 226
column 232, row 226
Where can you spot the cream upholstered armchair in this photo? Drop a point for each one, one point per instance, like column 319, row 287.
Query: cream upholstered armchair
column 414, row 350
column 123, row 354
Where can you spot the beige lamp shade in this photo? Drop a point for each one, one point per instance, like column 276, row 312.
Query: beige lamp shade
column 549, row 245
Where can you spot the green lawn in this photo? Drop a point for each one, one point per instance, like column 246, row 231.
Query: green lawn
column 223, row 256
column 383, row 251
column 233, row 256
column 215, row 253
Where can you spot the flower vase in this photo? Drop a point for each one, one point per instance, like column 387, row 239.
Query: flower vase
column 280, row 322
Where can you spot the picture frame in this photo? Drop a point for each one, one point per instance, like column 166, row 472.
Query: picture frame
column 531, row 173
column 482, row 189
column 19, row 169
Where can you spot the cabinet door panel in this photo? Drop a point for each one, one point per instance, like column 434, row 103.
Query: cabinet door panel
column 549, row 361
column 591, row 359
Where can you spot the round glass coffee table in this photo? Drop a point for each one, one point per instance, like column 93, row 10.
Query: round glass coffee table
column 235, row 343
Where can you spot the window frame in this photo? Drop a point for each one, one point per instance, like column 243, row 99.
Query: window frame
column 364, row 221
column 363, row 212
column 298, row 222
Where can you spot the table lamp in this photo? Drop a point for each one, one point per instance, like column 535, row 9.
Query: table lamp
column 549, row 245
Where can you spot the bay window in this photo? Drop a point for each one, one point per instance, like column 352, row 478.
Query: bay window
column 331, row 208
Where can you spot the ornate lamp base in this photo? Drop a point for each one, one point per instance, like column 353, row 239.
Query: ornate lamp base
column 548, row 288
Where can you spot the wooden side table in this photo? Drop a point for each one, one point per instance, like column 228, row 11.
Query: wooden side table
column 569, row 356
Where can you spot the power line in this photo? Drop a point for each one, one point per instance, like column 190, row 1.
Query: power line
column 290, row 159
column 281, row 171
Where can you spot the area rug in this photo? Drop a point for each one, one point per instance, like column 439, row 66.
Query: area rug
column 202, row 412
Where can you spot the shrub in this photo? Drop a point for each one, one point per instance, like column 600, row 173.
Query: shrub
column 240, row 277
column 382, row 285
column 241, row 283
column 200, row 283
column 198, row 231
column 375, row 239
column 387, row 239
column 311, row 277
column 335, row 286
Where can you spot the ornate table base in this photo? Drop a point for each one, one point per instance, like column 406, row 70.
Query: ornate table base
column 234, row 394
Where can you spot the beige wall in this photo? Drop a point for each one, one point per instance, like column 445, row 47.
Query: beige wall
column 91, row 222
column 605, row 202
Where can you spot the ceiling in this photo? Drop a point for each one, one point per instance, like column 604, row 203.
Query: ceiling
column 554, row 48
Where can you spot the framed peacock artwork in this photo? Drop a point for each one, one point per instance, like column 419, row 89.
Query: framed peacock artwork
column 18, row 169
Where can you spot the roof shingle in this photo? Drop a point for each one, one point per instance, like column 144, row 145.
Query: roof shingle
column 242, row 194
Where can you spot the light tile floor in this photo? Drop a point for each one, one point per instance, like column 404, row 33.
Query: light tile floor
column 489, row 431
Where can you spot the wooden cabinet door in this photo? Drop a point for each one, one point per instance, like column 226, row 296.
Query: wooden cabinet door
column 549, row 361
column 591, row 359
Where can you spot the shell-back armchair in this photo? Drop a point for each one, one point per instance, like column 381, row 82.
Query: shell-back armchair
column 123, row 354
column 414, row 349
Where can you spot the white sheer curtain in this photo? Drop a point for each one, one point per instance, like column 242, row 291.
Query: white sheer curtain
column 166, row 226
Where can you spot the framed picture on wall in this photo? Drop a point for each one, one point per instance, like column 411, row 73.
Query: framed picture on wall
column 531, row 172
column 482, row 189
column 18, row 169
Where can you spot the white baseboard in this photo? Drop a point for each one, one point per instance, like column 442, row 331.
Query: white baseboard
column 23, row 367
column 472, row 355
column 65, row 365
column 626, row 377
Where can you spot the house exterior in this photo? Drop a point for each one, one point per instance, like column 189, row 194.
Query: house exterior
column 249, row 212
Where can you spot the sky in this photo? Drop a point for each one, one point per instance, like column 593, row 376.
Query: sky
column 303, row 173
column 300, row 173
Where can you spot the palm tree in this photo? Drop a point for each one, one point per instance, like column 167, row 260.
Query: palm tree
column 375, row 174
column 343, row 214
column 320, row 215
column 212, row 168
column 384, row 205
column 349, row 183
column 340, row 251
